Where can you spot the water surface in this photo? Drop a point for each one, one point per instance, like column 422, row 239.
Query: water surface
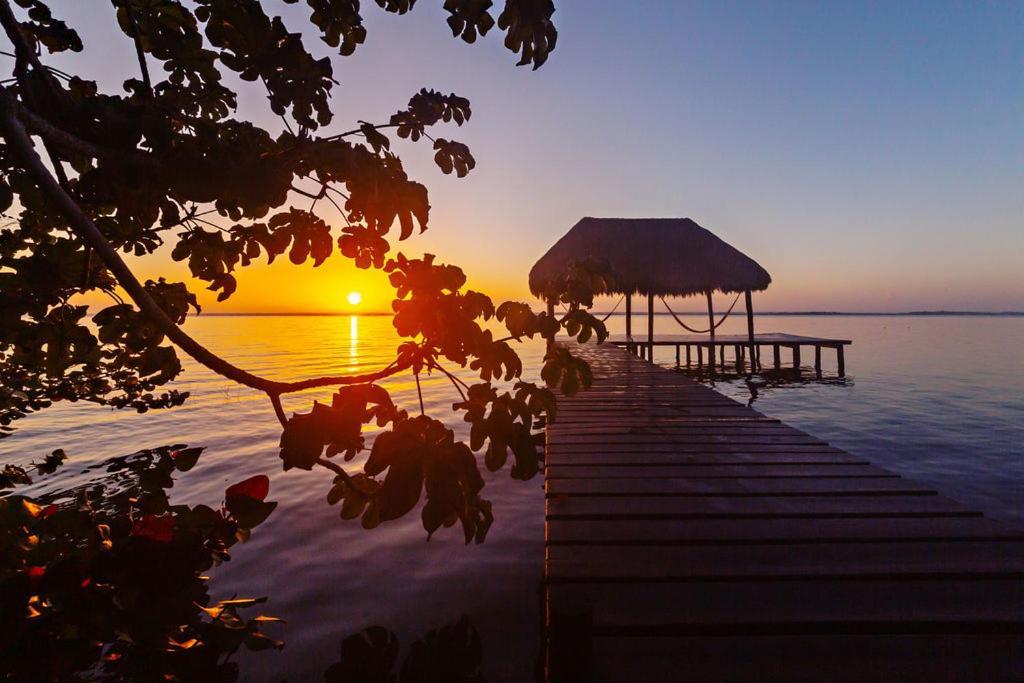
column 937, row 399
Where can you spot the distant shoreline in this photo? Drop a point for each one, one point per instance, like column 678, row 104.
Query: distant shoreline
column 904, row 314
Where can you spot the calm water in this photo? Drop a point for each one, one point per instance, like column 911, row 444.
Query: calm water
column 937, row 399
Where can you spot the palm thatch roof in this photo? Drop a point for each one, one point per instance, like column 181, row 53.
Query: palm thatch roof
column 661, row 256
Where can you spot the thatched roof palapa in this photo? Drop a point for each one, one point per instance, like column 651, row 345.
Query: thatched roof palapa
column 661, row 256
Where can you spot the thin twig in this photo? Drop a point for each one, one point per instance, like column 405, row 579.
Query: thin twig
column 358, row 131
column 452, row 378
column 197, row 219
column 309, row 194
column 275, row 400
column 139, row 52
column 419, row 391
column 336, row 468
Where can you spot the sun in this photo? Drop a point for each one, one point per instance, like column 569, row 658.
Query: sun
column 354, row 298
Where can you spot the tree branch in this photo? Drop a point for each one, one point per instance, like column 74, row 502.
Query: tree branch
column 13, row 29
column 81, row 225
column 375, row 126
column 336, row 468
column 139, row 52
column 65, row 140
column 275, row 400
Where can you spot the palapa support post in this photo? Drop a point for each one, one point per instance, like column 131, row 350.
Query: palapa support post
column 711, row 325
column 750, row 329
column 650, row 327
column 551, row 314
column 629, row 315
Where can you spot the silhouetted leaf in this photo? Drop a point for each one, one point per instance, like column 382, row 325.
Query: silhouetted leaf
column 256, row 487
column 186, row 458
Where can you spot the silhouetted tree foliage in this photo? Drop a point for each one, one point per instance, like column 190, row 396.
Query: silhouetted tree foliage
column 450, row 654
column 90, row 175
column 108, row 580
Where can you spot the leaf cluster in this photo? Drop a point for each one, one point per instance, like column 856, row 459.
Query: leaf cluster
column 420, row 454
column 452, row 653
column 165, row 164
column 108, row 580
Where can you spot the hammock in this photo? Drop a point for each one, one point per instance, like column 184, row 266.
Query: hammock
column 614, row 308
column 695, row 331
column 607, row 315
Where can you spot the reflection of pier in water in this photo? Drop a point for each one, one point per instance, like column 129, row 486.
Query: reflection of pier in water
column 689, row 537
column 765, row 381
column 691, row 349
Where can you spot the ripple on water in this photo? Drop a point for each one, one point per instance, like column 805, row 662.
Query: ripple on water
column 948, row 414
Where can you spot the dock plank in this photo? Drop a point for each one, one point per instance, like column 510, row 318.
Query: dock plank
column 710, row 507
column 842, row 658
column 626, row 532
column 834, row 560
column 754, row 470
column 683, row 607
column 734, row 486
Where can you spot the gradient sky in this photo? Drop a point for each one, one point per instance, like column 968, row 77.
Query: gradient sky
column 869, row 155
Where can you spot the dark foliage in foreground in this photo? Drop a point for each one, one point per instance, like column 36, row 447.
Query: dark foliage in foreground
column 450, row 654
column 108, row 580
column 165, row 162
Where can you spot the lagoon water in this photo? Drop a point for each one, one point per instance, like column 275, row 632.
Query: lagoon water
column 938, row 399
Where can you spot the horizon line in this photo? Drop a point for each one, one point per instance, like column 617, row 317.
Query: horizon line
column 618, row 313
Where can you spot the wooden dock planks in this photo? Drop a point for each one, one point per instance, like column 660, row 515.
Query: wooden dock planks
column 689, row 537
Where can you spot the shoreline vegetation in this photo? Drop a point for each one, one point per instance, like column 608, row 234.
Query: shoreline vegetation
column 898, row 314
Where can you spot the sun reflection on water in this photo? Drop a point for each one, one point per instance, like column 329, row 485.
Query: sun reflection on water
column 353, row 336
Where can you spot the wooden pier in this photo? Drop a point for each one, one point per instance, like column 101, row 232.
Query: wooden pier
column 697, row 347
column 689, row 537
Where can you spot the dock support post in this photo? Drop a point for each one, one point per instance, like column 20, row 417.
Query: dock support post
column 817, row 359
column 840, row 360
column 796, row 356
column 747, row 299
column 775, row 356
column 569, row 651
column 739, row 353
column 700, row 356
column 711, row 325
column 687, row 355
column 677, row 354
column 650, row 327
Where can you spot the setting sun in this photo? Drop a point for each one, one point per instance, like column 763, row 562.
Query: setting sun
column 354, row 298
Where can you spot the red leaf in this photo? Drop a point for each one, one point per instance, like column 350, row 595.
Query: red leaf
column 159, row 528
column 254, row 487
column 47, row 511
column 35, row 573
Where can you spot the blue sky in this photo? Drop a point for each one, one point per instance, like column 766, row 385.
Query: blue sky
column 869, row 155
